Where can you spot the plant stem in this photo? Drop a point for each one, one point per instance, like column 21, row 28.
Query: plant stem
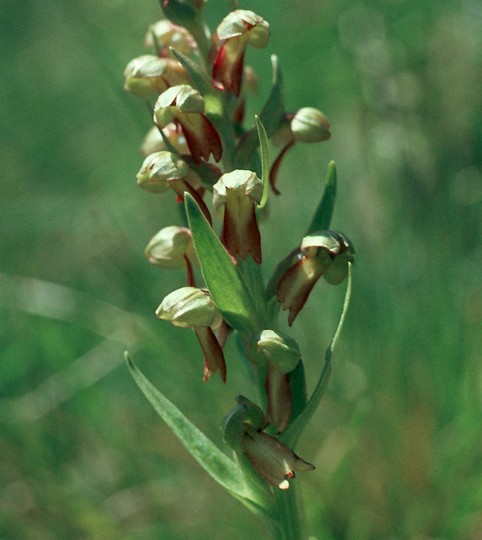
column 290, row 514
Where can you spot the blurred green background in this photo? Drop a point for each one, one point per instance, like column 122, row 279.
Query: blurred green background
column 398, row 439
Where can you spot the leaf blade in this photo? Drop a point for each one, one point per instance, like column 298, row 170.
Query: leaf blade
column 292, row 434
column 223, row 280
column 264, row 150
column 221, row 468
column 324, row 212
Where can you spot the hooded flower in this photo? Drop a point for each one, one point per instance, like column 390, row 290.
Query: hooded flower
column 239, row 191
column 243, row 432
column 321, row 254
column 185, row 105
column 272, row 459
column 190, row 307
column 233, row 34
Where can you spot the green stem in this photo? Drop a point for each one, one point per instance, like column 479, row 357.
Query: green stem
column 290, row 515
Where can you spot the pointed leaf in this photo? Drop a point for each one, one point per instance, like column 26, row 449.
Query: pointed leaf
column 294, row 431
column 271, row 117
column 200, row 79
column 323, row 214
column 221, row 276
column 264, row 149
column 224, row 470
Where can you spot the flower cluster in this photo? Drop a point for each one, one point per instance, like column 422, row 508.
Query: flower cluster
column 196, row 85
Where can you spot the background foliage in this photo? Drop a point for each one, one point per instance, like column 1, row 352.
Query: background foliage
column 397, row 441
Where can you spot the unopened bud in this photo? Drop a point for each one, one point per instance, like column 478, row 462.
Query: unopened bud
column 189, row 307
column 280, row 349
column 310, row 125
column 169, row 247
column 162, row 167
column 149, row 74
column 164, row 34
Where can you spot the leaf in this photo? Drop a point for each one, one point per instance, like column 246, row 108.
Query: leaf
column 199, row 78
column 271, row 116
column 221, row 276
column 323, row 214
column 263, row 145
column 292, row 434
column 224, row 470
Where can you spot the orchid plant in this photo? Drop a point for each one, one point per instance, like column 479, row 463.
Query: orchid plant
column 217, row 163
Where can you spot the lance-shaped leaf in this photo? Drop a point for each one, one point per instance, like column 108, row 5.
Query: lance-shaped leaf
column 221, row 468
column 324, row 212
column 291, row 435
column 264, row 149
column 221, row 276
column 271, row 116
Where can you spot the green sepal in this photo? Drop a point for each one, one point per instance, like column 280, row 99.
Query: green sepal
column 323, row 214
column 221, row 276
column 292, row 434
column 264, row 150
column 233, row 427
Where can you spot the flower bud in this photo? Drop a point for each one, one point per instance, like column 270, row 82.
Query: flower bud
column 310, row 125
column 149, row 74
column 170, row 247
column 161, row 168
column 233, row 424
column 153, row 141
column 280, row 349
column 272, row 459
column 164, row 34
column 189, row 307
